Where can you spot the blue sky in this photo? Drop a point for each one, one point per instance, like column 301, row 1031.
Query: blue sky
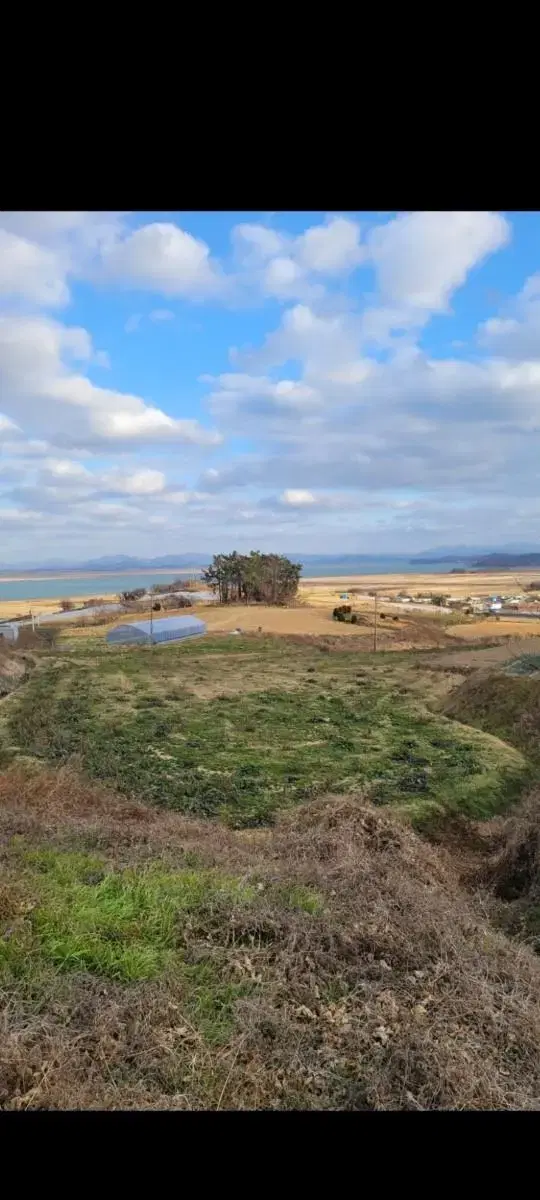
column 320, row 382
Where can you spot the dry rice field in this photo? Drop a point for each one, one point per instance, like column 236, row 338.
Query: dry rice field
column 506, row 627
column 485, row 583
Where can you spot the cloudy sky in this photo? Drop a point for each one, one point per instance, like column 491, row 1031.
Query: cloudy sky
column 317, row 382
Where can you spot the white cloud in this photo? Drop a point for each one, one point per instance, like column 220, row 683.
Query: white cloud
column 144, row 482
column 282, row 266
column 332, row 247
column 297, row 498
column 243, row 397
column 422, row 257
column 41, row 251
column 44, row 225
column 161, row 257
column 7, row 426
column 17, row 516
column 48, row 397
column 285, row 279
column 516, row 336
column 66, row 469
column 255, row 244
column 132, row 324
column 30, row 272
column 161, row 314
column 351, row 444
column 324, row 343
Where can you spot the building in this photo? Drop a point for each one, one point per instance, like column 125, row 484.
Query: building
column 165, row 629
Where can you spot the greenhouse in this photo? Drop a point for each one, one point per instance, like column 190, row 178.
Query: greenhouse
column 9, row 630
column 166, row 629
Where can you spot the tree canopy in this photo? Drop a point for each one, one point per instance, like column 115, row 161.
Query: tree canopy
column 268, row 578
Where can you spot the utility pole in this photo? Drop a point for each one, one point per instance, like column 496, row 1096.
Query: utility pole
column 33, row 622
column 375, row 626
column 151, row 620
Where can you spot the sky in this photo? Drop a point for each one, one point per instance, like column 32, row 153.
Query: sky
column 349, row 382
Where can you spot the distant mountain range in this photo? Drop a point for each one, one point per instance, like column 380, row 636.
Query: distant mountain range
column 520, row 555
column 482, row 556
column 509, row 561
column 114, row 562
column 127, row 562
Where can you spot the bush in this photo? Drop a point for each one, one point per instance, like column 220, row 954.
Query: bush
column 67, row 605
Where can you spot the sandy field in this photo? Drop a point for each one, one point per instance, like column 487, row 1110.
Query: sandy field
column 250, row 619
column 473, row 584
column 493, row 628
column 12, row 608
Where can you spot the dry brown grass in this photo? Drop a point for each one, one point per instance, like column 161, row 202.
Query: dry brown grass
column 486, row 656
column 395, row 993
column 514, row 870
column 474, row 583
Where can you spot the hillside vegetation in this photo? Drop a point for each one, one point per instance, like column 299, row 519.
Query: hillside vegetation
column 213, row 894
column 237, row 729
column 149, row 960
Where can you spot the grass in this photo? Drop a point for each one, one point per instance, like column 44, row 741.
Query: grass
column 303, row 949
column 72, row 912
column 153, row 961
column 505, row 703
column 342, row 722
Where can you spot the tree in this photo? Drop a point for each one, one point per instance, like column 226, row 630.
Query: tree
column 254, row 577
column 66, row 605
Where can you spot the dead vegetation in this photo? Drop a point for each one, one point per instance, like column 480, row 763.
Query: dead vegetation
column 346, row 969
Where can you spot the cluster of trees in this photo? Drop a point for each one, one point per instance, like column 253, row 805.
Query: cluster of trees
column 248, row 578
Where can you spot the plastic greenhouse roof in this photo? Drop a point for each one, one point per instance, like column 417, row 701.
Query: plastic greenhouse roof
column 163, row 623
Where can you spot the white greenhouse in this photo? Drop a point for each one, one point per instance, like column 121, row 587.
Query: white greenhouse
column 9, row 630
column 166, row 629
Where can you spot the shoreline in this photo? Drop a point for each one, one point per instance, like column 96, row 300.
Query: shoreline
column 315, row 591
column 37, row 577
column 478, row 574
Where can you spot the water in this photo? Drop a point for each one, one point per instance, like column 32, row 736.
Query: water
column 32, row 588
column 374, row 566
column 64, row 584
